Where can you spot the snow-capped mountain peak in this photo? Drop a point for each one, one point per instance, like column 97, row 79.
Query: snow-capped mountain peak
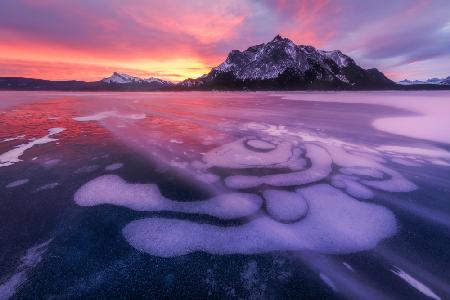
column 298, row 65
column 269, row 60
column 122, row 78
column 117, row 77
column 435, row 81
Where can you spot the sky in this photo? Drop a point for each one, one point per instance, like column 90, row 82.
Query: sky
column 177, row 39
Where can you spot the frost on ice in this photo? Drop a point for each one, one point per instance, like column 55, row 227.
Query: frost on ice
column 13, row 156
column 109, row 114
column 290, row 190
column 31, row 259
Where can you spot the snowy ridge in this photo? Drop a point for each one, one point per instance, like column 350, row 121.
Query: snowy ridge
column 266, row 61
column 122, row 78
column 437, row 81
column 269, row 60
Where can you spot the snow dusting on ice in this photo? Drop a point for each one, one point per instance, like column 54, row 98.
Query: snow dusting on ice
column 31, row 259
column 13, row 156
column 113, row 167
column 17, row 183
column 109, row 114
column 415, row 283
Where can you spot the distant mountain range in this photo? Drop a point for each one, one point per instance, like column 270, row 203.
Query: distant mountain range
column 277, row 65
column 437, row 81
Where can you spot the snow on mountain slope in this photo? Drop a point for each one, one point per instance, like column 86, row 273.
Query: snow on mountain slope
column 281, row 60
column 438, row 81
column 122, row 78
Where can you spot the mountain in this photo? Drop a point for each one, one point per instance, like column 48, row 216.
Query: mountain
column 281, row 64
column 116, row 82
column 122, row 78
column 437, row 81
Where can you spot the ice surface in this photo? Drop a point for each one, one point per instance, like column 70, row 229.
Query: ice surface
column 17, row 183
column 111, row 189
column 13, row 156
column 31, row 259
column 285, row 206
column 109, row 114
column 415, row 283
column 432, row 124
column 428, row 152
column 336, row 223
column 113, row 167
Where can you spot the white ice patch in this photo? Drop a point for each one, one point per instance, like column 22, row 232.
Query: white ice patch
column 13, row 156
column 13, row 138
column 111, row 189
column 415, row 283
column 328, row 281
column 285, row 206
column 30, row 260
column 109, row 114
column 175, row 141
column 320, row 169
column 48, row 186
column 348, row 266
column 86, row 169
column 336, row 223
column 113, row 167
column 17, row 183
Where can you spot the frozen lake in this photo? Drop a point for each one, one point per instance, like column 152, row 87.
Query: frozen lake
column 225, row 195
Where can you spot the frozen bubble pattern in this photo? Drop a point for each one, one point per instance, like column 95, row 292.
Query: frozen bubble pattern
column 308, row 199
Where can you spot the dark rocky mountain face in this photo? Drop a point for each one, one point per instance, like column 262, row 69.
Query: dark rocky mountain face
column 281, row 64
